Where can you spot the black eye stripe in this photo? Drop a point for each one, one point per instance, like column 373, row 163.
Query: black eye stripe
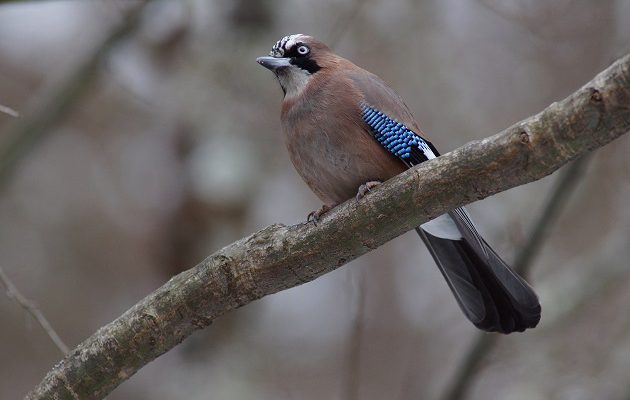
column 306, row 63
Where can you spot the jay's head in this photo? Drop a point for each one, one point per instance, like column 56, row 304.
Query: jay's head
column 295, row 59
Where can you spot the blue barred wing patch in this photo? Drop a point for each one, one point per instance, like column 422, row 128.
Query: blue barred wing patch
column 397, row 138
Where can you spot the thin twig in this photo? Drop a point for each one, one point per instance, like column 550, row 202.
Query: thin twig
column 31, row 131
column 484, row 343
column 9, row 111
column 13, row 293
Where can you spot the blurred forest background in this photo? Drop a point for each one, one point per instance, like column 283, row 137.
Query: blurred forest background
column 143, row 153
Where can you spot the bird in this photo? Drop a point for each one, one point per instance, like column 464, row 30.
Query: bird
column 347, row 131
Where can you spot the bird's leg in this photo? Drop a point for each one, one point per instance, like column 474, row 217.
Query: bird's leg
column 315, row 215
column 365, row 188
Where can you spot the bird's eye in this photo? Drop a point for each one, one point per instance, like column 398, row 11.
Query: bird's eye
column 303, row 50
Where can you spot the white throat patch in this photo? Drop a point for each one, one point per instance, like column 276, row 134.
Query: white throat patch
column 293, row 80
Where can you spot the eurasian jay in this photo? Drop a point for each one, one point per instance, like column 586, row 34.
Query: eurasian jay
column 346, row 130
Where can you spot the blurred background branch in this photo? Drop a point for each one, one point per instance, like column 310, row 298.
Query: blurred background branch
column 345, row 22
column 13, row 293
column 37, row 124
column 9, row 111
column 547, row 217
column 560, row 194
column 356, row 339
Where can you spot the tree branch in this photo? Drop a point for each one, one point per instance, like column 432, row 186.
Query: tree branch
column 280, row 257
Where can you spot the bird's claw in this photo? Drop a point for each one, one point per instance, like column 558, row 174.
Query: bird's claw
column 314, row 216
column 365, row 188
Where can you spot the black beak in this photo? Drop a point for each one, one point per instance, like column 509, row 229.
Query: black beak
column 273, row 63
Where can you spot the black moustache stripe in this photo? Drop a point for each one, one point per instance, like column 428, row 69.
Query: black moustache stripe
column 306, row 63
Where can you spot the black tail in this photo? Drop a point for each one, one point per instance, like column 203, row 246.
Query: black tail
column 489, row 293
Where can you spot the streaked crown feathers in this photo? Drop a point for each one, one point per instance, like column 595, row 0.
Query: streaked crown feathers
column 285, row 44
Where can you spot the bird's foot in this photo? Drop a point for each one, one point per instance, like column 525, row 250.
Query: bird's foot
column 314, row 216
column 365, row 188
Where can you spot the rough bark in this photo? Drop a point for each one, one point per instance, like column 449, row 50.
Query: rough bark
column 280, row 257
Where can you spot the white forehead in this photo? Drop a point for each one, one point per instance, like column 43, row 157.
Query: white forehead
column 285, row 43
